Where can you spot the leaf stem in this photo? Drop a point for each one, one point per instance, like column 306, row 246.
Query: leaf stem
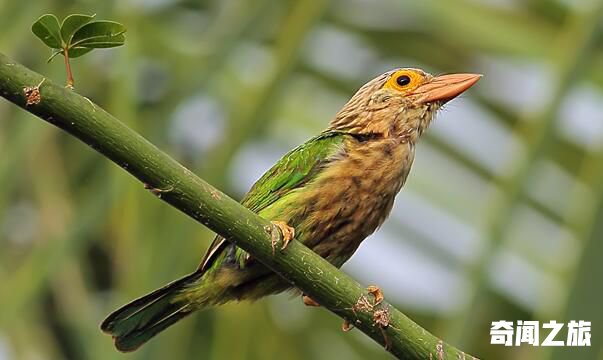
column 68, row 68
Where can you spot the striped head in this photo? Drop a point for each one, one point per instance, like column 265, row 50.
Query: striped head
column 400, row 103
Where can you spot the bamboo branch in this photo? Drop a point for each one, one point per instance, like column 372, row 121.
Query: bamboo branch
column 179, row 187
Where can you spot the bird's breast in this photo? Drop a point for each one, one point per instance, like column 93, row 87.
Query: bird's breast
column 353, row 195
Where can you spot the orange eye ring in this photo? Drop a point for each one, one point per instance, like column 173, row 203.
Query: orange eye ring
column 404, row 80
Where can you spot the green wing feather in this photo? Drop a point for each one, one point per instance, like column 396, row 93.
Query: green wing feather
column 291, row 172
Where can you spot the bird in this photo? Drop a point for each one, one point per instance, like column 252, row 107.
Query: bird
column 330, row 193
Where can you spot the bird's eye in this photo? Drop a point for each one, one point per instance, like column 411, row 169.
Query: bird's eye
column 403, row 80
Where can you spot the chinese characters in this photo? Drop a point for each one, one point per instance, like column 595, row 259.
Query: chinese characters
column 508, row 333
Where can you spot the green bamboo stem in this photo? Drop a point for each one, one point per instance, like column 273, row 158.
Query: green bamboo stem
column 176, row 185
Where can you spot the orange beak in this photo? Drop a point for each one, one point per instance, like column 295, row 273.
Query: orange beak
column 445, row 87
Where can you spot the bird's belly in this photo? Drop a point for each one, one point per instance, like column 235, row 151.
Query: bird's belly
column 350, row 201
column 336, row 230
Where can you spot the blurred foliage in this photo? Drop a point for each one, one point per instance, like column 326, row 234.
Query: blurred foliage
column 501, row 217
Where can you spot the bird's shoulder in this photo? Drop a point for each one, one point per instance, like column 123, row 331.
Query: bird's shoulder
column 295, row 169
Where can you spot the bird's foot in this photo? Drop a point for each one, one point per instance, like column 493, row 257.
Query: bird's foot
column 377, row 294
column 308, row 301
column 288, row 233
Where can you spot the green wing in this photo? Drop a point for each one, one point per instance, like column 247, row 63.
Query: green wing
column 292, row 171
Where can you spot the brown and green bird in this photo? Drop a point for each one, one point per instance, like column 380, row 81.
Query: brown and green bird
column 330, row 193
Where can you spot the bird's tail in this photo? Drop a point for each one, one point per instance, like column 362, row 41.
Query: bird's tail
column 138, row 321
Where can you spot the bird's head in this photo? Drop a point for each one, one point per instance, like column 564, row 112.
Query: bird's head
column 401, row 102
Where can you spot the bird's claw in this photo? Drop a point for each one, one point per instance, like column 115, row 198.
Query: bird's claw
column 377, row 294
column 288, row 233
column 308, row 301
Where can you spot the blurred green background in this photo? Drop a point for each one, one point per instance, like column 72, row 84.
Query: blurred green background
column 502, row 216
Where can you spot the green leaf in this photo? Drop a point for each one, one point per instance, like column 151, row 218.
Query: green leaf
column 104, row 42
column 73, row 23
column 100, row 34
column 79, row 51
column 55, row 52
column 48, row 30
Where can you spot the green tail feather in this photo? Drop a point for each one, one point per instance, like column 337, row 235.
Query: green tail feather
column 135, row 323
